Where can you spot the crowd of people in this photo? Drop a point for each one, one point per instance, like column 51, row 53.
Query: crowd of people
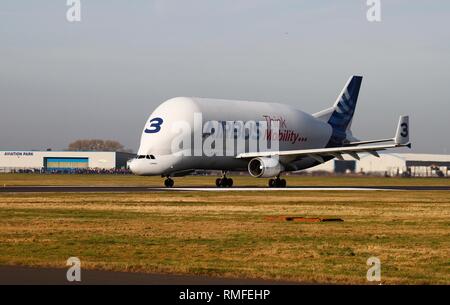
column 114, row 171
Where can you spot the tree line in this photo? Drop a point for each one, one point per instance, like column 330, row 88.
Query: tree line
column 97, row 145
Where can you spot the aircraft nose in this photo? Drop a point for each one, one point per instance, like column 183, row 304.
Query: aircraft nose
column 134, row 167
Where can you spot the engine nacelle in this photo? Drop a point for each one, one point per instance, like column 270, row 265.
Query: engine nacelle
column 263, row 167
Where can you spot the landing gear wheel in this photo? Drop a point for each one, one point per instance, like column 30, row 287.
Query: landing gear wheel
column 277, row 182
column 169, row 182
column 224, row 182
column 272, row 182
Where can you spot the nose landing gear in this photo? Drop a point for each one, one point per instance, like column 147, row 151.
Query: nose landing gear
column 224, row 181
column 277, row 182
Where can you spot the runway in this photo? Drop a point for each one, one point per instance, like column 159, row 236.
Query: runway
column 140, row 189
column 19, row 275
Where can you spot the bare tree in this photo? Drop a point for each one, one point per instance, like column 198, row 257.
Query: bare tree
column 96, row 145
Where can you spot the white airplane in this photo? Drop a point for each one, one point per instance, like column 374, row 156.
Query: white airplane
column 304, row 140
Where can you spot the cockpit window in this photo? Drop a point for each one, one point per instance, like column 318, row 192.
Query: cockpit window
column 146, row 157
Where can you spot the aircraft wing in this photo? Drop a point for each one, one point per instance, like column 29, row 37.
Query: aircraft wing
column 401, row 139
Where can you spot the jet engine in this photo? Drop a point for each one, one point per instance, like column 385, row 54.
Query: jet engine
column 263, row 167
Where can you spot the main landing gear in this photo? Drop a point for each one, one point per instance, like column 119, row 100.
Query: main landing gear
column 277, row 182
column 169, row 182
column 224, row 181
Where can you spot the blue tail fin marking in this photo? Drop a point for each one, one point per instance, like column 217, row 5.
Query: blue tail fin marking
column 344, row 110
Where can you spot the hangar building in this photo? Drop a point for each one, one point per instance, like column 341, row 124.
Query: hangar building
column 62, row 160
column 391, row 164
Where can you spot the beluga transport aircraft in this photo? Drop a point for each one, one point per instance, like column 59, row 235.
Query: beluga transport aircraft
column 219, row 136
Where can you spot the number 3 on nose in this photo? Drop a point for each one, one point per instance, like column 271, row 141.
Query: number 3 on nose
column 155, row 125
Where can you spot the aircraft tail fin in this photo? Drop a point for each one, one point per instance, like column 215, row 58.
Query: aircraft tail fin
column 345, row 105
column 340, row 116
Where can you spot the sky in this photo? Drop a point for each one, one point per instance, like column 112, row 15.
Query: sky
column 102, row 77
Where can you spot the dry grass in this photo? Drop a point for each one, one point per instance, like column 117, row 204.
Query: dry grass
column 227, row 234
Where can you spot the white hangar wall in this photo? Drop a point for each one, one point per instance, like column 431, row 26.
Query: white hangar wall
column 38, row 160
column 394, row 164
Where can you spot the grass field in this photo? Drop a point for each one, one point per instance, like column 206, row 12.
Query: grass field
column 227, row 234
